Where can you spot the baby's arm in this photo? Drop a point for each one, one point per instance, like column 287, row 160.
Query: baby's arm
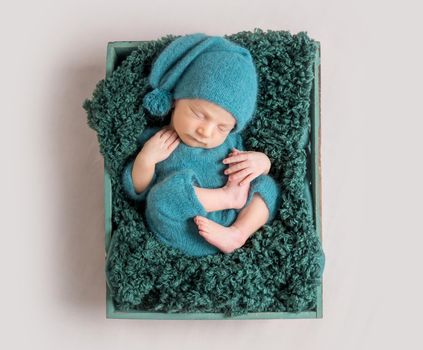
column 156, row 149
column 139, row 174
column 142, row 172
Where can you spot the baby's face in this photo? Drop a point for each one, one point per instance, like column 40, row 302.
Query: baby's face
column 200, row 123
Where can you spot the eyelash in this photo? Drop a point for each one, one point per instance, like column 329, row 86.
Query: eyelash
column 198, row 117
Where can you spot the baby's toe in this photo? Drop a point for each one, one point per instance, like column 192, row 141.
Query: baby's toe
column 200, row 220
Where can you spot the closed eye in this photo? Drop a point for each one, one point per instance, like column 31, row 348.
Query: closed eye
column 199, row 116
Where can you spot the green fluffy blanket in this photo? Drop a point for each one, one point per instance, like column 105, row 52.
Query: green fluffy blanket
column 280, row 266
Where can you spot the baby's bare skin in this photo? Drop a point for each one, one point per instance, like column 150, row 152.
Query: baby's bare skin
column 228, row 239
column 231, row 196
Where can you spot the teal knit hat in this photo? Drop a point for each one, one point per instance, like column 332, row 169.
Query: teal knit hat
column 204, row 67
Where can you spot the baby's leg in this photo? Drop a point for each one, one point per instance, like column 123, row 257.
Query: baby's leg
column 227, row 239
column 230, row 196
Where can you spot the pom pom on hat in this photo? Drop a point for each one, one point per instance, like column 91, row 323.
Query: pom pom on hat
column 158, row 102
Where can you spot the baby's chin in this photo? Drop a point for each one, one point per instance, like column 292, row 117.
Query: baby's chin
column 192, row 142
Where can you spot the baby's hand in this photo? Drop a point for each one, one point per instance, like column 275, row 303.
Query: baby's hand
column 160, row 145
column 246, row 165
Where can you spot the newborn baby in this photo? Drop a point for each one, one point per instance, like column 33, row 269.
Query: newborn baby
column 178, row 192
column 203, row 192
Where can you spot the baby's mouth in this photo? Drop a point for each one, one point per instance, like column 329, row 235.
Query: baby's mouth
column 197, row 140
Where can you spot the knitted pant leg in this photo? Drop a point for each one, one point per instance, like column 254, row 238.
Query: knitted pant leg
column 171, row 206
column 269, row 190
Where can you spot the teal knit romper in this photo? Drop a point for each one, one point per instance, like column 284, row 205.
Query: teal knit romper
column 171, row 202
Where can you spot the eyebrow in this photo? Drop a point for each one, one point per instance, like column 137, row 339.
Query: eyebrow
column 202, row 111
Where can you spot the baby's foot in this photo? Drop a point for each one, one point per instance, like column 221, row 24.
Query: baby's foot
column 227, row 239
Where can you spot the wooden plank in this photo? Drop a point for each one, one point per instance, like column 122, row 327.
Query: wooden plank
column 210, row 316
column 316, row 154
column 107, row 191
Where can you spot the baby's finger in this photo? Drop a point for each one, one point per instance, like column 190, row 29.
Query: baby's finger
column 240, row 174
column 171, row 138
column 237, row 158
column 162, row 134
column 248, row 179
column 163, row 129
column 167, row 136
column 174, row 144
column 235, row 167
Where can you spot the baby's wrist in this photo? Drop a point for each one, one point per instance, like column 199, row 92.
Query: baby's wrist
column 146, row 160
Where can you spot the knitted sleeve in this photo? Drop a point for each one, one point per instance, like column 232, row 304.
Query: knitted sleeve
column 127, row 183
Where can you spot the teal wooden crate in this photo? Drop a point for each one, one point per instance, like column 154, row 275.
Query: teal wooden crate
column 117, row 51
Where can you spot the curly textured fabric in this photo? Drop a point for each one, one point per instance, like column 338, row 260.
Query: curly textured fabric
column 280, row 266
column 171, row 201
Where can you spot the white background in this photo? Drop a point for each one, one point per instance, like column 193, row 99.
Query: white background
column 52, row 259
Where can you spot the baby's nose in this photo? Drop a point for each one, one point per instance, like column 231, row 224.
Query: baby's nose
column 204, row 131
